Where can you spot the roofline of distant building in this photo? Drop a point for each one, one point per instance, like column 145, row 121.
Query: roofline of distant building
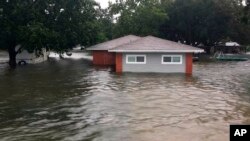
column 158, row 51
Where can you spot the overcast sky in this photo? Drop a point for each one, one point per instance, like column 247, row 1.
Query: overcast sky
column 104, row 3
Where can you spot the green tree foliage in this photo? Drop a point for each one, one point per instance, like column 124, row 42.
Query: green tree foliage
column 105, row 22
column 53, row 24
column 240, row 22
column 196, row 21
column 189, row 21
column 139, row 17
column 61, row 24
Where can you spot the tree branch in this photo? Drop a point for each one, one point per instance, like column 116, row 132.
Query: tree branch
column 19, row 50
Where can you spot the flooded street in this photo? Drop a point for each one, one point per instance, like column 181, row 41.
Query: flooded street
column 70, row 100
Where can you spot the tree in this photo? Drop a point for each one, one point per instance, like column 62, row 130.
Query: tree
column 139, row 17
column 196, row 21
column 240, row 21
column 12, row 19
column 53, row 24
column 105, row 23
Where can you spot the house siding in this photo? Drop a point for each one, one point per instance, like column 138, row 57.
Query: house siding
column 154, row 64
column 189, row 63
column 103, row 58
column 118, row 65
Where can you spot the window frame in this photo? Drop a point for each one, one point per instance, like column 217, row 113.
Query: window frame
column 130, row 55
column 171, row 63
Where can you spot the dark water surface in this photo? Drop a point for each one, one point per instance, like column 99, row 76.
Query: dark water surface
column 70, row 100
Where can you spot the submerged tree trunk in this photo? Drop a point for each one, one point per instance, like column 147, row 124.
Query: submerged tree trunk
column 12, row 57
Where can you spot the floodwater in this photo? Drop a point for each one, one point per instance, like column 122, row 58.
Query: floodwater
column 70, row 100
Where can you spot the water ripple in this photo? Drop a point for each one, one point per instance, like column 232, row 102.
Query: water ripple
column 70, row 100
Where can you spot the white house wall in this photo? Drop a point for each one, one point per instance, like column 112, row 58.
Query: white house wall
column 154, row 64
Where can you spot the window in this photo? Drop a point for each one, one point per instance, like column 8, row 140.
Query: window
column 136, row 59
column 171, row 59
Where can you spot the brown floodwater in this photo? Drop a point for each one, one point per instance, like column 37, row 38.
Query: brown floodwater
column 70, row 100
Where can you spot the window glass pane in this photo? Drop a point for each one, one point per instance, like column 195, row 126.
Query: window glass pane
column 140, row 59
column 176, row 59
column 131, row 59
column 167, row 59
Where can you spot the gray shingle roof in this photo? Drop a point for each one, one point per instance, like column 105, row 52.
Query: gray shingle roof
column 114, row 43
column 154, row 44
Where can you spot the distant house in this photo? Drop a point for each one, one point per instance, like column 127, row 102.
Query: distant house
column 145, row 54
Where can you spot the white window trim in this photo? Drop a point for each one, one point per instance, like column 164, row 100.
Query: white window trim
column 171, row 63
column 145, row 59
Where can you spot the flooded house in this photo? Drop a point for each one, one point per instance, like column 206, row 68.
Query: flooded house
column 145, row 54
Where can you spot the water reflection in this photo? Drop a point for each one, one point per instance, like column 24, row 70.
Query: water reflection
column 72, row 100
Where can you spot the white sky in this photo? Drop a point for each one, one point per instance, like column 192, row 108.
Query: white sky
column 104, row 3
column 244, row 3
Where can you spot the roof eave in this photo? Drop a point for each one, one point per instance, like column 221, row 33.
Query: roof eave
column 89, row 49
column 157, row 51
